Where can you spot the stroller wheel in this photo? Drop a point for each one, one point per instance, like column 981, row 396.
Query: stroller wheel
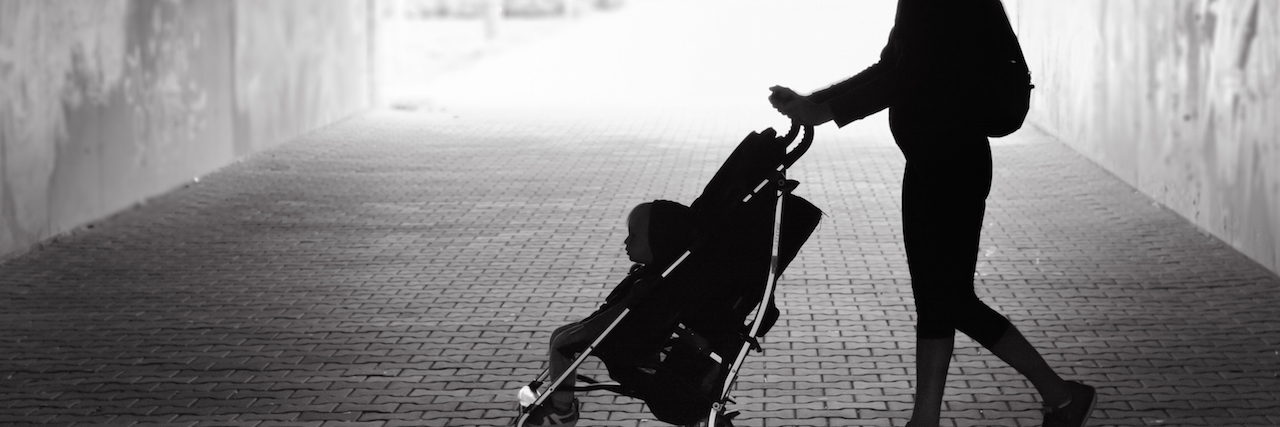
column 723, row 420
column 546, row 416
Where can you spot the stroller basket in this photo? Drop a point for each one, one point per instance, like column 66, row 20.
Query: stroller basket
column 680, row 346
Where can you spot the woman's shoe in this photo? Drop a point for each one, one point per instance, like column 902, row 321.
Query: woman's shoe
column 1076, row 412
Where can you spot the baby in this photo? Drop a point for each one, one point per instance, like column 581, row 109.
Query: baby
column 658, row 233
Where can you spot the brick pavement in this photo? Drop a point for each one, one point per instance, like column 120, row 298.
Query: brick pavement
column 407, row 267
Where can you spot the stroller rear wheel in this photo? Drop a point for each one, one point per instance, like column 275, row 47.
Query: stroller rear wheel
column 722, row 419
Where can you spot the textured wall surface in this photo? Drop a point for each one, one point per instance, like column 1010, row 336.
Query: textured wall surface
column 297, row 65
column 1181, row 99
column 105, row 103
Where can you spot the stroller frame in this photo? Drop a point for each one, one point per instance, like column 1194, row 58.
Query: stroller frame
column 716, row 416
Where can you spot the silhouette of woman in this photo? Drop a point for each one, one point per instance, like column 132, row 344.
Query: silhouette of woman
column 928, row 77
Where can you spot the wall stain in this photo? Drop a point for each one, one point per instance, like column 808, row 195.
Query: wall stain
column 1199, row 135
column 105, row 103
column 1250, row 32
column 53, row 55
column 288, row 76
column 168, row 105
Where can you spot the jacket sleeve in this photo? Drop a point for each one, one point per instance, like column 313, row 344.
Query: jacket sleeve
column 880, row 86
column 871, row 73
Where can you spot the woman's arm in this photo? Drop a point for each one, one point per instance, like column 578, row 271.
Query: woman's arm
column 859, row 96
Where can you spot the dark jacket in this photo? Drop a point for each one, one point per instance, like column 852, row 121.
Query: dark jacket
column 929, row 70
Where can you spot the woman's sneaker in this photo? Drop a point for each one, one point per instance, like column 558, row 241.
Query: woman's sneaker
column 546, row 415
column 1076, row 412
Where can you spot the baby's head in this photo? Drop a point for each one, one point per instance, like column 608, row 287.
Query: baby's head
column 659, row 231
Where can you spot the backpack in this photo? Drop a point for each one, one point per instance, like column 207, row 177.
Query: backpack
column 1007, row 83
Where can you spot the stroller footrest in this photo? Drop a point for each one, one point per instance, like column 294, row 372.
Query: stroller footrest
column 609, row 386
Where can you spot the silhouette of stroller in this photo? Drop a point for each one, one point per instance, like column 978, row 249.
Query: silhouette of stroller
column 679, row 346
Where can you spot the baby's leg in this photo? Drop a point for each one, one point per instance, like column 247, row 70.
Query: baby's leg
column 566, row 342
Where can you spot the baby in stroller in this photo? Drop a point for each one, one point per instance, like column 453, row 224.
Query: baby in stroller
column 675, row 332
column 658, row 233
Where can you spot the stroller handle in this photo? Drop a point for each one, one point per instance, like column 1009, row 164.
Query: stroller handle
column 800, row 149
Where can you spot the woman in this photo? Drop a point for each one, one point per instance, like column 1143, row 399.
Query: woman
column 929, row 78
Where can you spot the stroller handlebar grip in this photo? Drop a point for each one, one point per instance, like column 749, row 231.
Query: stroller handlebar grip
column 799, row 149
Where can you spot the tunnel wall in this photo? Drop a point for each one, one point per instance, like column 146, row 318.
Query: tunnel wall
column 1181, row 99
column 105, row 103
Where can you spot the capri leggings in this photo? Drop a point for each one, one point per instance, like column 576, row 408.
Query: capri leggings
column 943, row 202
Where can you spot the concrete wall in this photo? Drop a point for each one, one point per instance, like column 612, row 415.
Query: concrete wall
column 104, row 103
column 1180, row 98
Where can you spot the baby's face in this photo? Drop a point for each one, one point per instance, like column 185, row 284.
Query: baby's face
column 637, row 242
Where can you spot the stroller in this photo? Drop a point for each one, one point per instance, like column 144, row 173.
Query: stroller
column 679, row 347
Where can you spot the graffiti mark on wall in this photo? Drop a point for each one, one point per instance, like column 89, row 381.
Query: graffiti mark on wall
column 53, row 55
column 107, row 102
column 63, row 55
column 1178, row 98
column 167, row 104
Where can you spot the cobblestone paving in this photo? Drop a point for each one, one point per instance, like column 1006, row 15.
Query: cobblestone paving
column 407, row 267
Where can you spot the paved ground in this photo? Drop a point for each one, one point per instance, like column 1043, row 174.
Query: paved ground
column 406, row 268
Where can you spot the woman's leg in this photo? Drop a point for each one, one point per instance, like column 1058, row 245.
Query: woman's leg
column 933, row 358
column 938, row 235
column 942, row 220
column 1014, row 349
column 943, row 209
